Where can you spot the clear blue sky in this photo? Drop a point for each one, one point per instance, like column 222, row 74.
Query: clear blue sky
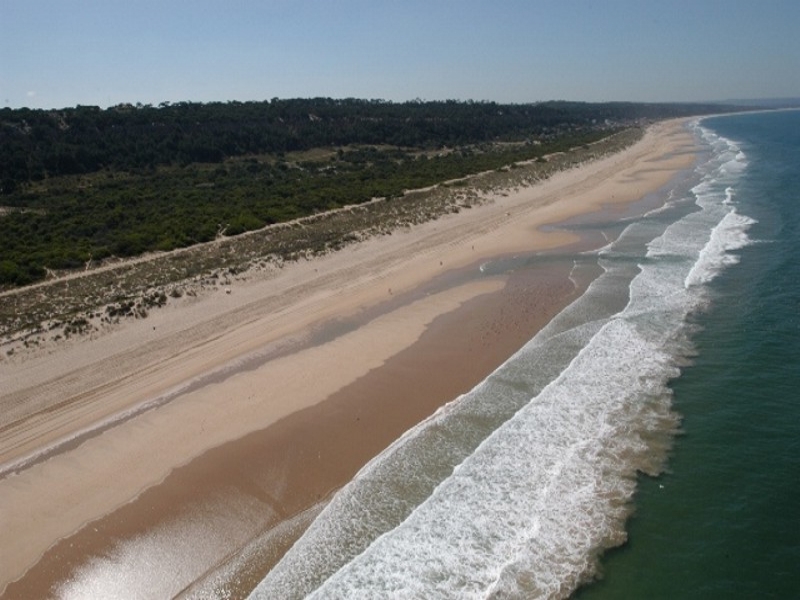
column 59, row 53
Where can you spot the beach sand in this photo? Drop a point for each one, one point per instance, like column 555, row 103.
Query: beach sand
column 271, row 397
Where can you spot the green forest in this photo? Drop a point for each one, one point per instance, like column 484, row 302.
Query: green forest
column 83, row 184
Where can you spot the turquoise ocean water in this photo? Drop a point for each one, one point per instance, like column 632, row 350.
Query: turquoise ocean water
column 724, row 522
column 662, row 407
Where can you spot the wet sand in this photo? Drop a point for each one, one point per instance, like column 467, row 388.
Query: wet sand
column 298, row 462
column 260, row 441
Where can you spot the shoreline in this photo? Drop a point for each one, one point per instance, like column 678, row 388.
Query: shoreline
column 264, row 313
column 301, row 460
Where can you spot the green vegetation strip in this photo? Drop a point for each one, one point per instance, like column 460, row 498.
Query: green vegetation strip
column 66, row 222
column 369, row 201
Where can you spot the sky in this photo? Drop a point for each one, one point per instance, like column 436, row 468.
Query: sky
column 61, row 53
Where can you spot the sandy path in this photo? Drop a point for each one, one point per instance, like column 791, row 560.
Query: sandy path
column 52, row 397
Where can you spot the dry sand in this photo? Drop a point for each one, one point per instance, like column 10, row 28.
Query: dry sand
column 233, row 364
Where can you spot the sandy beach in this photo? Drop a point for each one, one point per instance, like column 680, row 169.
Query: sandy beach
column 220, row 418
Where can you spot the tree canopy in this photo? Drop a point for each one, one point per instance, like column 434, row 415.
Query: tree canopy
column 36, row 144
column 85, row 184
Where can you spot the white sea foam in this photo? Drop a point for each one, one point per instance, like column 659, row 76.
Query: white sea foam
column 387, row 489
column 527, row 511
column 660, row 209
column 729, row 235
column 514, row 489
column 716, row 195
column 572, row 279
column 728, row 196
column 160, row 563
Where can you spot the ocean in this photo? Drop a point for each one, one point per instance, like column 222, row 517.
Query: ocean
column 723, row 521
column 649, row 436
